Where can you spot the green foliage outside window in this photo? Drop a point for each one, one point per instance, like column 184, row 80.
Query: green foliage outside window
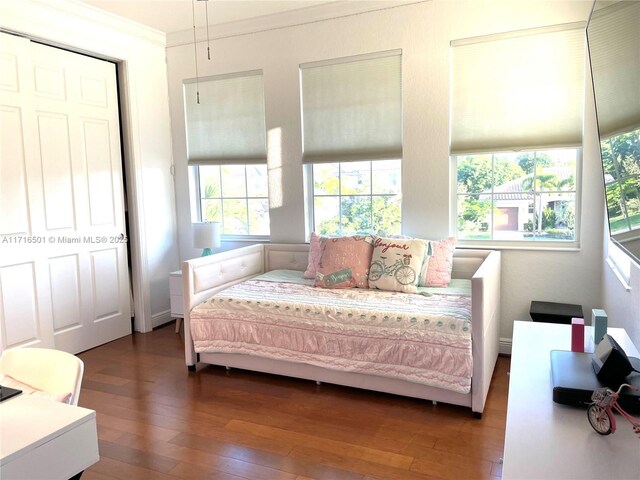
column 621, row 162
column 357, row 198
column 517, row 196
column 236, row 196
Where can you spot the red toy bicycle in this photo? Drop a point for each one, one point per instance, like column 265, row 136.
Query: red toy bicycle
column 600, row 412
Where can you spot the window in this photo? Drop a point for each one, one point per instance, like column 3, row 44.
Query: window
column 516, row 131
column 352, row 143
column 615, row 83
column 525, row 196
column 226, row 151
column 356, row 197
column 621, row 160
column 236, row 196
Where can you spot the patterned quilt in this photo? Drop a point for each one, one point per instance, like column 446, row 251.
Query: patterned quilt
column 423, row 338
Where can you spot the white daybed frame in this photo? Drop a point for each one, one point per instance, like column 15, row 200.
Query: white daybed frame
column 205, row 276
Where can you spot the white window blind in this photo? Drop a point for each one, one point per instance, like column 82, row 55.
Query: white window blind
column 228, row 125
column 519, row 90
column 614, row 47
column 352, row 109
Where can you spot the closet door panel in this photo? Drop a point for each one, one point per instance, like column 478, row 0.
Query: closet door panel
column 62, row 182
column 14, row 214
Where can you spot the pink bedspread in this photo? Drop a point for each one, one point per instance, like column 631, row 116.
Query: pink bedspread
column 423, row 339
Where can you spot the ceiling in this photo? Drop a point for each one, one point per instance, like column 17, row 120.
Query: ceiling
column 176, row 15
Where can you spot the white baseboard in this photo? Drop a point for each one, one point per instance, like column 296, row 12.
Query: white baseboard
column 505, row 346
column 161, row 318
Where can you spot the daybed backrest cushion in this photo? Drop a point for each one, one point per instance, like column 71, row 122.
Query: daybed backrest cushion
column 288, row 256
column 467, row 262
column 232, row 266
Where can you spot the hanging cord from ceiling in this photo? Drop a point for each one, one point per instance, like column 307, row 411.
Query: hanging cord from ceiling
column 206, row 14
column 195, row 42
column 195, row 50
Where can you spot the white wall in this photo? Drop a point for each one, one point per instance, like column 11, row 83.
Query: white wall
column 621, row 301
column 423, row 32
column 140, row 55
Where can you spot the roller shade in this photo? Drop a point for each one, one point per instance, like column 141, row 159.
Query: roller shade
column 228, row 125
column 614, row 47
column 352, row 108
column 519, row 90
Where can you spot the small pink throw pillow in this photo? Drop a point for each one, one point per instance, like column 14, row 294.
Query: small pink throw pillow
column 438, row 272
column 344, row 262
column 314, row 256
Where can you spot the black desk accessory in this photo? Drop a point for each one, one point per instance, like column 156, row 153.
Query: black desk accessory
column 610, row 362
column 552, row 312
column 574, row 380
column 8, row 392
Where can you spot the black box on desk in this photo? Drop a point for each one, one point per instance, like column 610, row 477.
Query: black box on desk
column 574, row 381
column 552, row 312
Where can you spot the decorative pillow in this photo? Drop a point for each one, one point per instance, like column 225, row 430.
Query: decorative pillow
column 396, row 264
column 344, row 262
column 314, row 256
column 440, row 263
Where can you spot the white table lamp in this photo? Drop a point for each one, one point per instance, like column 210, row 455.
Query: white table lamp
column 206, row 235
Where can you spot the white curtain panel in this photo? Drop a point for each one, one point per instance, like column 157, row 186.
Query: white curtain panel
column 616, row 71
column 228, row 125
column 352, row 108
column 518, row 90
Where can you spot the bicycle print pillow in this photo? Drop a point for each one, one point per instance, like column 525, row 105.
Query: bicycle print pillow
column 396, row 263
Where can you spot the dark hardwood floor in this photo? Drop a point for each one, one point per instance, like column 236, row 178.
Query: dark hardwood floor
column 157, row 420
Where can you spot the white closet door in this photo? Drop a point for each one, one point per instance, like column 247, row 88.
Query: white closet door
column 64, row 279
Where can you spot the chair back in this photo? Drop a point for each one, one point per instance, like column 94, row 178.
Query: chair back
column 48, row 370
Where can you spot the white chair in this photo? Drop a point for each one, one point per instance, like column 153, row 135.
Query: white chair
column 50, row 371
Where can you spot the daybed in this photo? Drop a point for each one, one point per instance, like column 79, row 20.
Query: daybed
column 203, row 277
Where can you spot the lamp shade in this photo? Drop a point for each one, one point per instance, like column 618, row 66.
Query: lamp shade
column 206, row 235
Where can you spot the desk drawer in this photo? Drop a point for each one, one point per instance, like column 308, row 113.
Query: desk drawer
column 64, row 455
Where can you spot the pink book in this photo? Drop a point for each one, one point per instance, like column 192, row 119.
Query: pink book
column 577, row 334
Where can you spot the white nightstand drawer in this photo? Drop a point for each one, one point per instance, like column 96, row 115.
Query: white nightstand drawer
column 175, row 283
column 175, row 290
column 176, row 306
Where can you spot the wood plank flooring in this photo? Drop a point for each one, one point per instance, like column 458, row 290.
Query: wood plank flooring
column 157, row 420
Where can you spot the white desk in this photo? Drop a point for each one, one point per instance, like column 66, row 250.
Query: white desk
column 40, row 438
column 546, row 440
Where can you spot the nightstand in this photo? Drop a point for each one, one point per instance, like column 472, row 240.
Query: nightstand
column 175, row 290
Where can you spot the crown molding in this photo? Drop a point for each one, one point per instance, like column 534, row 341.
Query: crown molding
column 291, row 18
column 21, row 12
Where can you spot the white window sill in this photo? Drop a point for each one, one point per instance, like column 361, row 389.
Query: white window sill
column 530, row 246
column 618, row 274
column 246, row 238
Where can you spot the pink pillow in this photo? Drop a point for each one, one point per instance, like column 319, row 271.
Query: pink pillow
column 438, row 272
column 344, row 262
column 314, row 256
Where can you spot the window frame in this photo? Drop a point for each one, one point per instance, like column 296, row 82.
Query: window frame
column 196, row 204
column 310, row 196
column 562, row 245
